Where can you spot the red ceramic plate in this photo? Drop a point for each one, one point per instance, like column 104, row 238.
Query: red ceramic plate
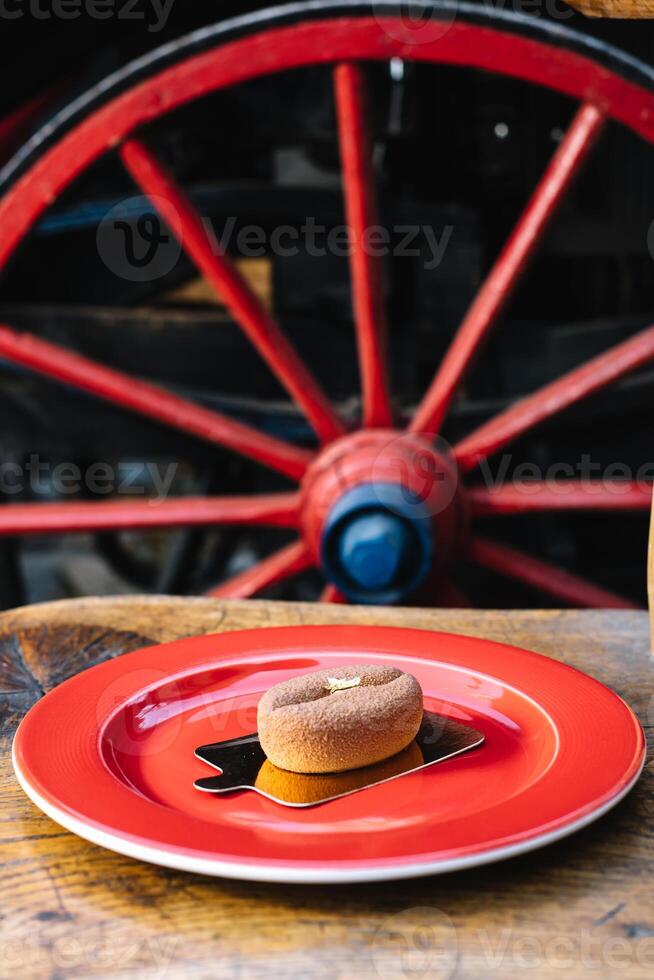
column 109, row 755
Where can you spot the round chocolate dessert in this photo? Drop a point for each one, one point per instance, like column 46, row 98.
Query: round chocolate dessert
column 340, row 718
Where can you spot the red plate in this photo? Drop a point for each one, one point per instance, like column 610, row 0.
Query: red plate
column 109, row 755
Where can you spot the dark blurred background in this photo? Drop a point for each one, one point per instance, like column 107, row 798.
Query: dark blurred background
column 454, row 149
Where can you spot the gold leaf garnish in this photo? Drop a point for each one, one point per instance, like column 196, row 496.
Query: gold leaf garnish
column 337, row 684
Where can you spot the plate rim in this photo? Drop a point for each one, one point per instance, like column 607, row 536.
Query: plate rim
column 282, row 870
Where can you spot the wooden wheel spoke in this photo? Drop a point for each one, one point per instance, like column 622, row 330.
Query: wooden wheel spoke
column 59, row 364
column 537, row 497
column 544, row 576
column 356, row 148
column 452, row 596
column 579, row 383
column 331, row 594
column 276, row 568
column 505, row 274
column 274, row 510
column 256, row 321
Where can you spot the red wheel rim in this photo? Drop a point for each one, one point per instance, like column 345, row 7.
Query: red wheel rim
column 346, row 42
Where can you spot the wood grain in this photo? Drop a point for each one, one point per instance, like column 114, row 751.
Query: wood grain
column 621, row 9
column 583, row 907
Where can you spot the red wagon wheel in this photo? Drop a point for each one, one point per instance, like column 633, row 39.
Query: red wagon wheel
column 383, row 509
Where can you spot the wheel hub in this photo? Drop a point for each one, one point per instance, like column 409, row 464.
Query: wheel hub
column 381, row 513
column 377, row 543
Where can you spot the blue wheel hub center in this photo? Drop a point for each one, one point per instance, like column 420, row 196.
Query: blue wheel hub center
column 377, row 543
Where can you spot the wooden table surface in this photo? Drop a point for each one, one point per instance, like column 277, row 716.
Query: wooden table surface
column 583, row 907
column 621, row 9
